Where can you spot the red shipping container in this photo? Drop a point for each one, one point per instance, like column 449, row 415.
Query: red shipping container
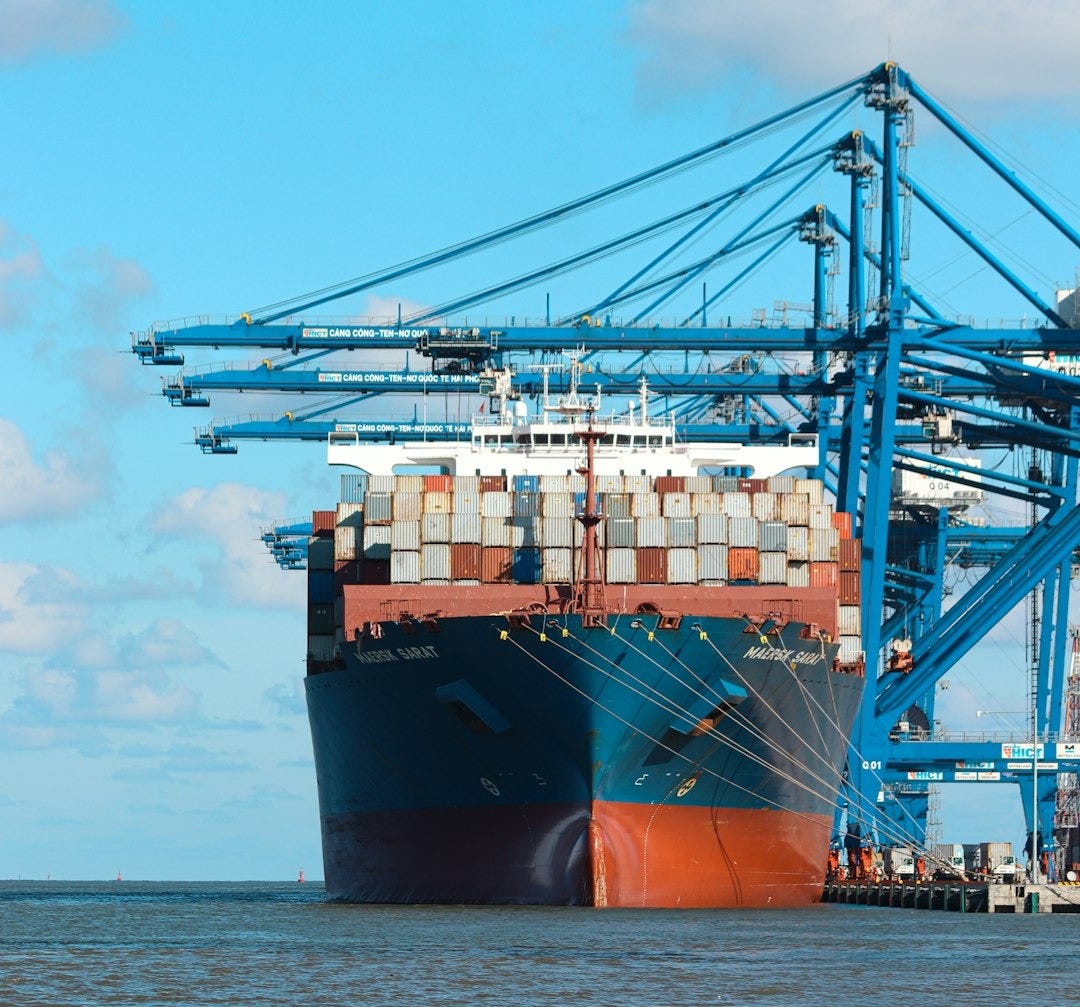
column 438, row 484
column 375, row 571
column 652, row 561
column 753, row 485
column 849, row 588
column 465, row 561
column 841, row 521
column 850, row 555
column 823, row 575
column 743, row 563
column 496, row 564
column 347, row 572
column 323, row 522
column 670, row 484
column 493, row 484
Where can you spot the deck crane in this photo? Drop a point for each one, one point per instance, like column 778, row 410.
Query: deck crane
column 889, row 385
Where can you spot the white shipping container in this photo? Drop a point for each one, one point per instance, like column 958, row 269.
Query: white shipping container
column 346, row 540
column 320, row 554
column 676, row 505
column 707, row 503
column 554, row 484
column 579, row 533
column 407, row 505
column 850, row 649
column 609, row 483
column 765, row 506
column 682, row 566
column 405, row 535
column 376, row 541
column 380, row 484
column 621, row 566
column 528, row 532
column 645, row 505
column 773, row 536
column 408, row 484
column 378, row 508
column 798, row 544
column 465, row 502
column 772, row 568
column 795, row 509
column 559, row 505
column 558, row 565
column 712, row 528
column 496, row 504
column 496, row 531
column 738, row 505
column 814, row 488
column 435, row 527
column 824, row 545
column 466, row 526
column 615, row 505
column 435, row 563
column 437, row 502
column 699, row 484
column 404, row 567
column 713, row 562
column 350, row 513
column 849, row 622
column 557, row 532
column 780, row 484
column 467, row 484
column 636, row 483
column 798, row 573
column 742, row 532
column 576, row 481
column 651, row 531
column 821, row 516
column 681, row 532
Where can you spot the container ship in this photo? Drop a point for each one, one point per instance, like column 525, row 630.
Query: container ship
column 573, row 668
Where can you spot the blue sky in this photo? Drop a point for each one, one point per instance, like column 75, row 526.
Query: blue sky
column 166, row 160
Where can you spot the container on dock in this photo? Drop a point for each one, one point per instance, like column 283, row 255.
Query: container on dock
column 681, row 566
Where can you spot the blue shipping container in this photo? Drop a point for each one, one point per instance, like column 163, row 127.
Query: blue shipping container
column 526, row 566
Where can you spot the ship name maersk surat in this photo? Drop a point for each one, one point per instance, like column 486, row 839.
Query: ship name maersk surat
column 529, row 685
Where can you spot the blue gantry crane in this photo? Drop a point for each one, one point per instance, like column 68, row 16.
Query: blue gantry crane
column 899, row 391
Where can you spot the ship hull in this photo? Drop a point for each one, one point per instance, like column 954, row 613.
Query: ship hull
column 480, row 760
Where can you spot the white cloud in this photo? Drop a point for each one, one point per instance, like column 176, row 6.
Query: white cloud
column 231, row 516
column 31, row 623
column 21, row 271
column 60, row 485
column 985, row 51
column 29, row 28
column 105, row 287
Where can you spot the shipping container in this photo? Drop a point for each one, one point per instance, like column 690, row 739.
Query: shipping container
column 743, row 564
column 526, row 566
column 681, row 533
column 795, row 509
column 323, row 522
column 497, row 531
column 675, row 505
column 772, row 568
column 848, row 621
column 780, row 484
column 435, row 528
column 435, row 563
column 850, row 555
column 526, row 504
column 579, row 533
column 725, row 484
column 576, row 482
column 376, row 571
column 669, row 484
column 620, row 532
column 554, row 484
column 496, row 564
column 408, row 484
column 707, row 503
column 381, row 484
column 405, row 535
column 437, row 502
column 814, row 488
column 798, row 544
column 651, row 565
column 609, row 483
column 320, row 585
column 350, row 514
column 621, row 565
column 712, row 528
column 353, row 487
column 645, row 505
column 651, row 532
column 842, row 523
column 637, row 483
column 738, row 505
column 465, row 561
column 743, row 532
column 681, row 566
column 713, row 563
column 439, row 484
column 527, row 532
column 496, row 503
column 765, row 506
column 526, row 484
column 348, row 572
column 557, row 566
column 821, row 516
column 321, row 618
column 347, row 539
column 321, row 647
column 557, row 532
column 467, row 484
column 378, row 508
column 405, row 567
column 851, row 649
column 699, row 484
column 492, row 484
column 320, row 553
column 849, row 587
column 773, row 536
column 376, row 541
column 465, row 502
column 824, row 545
column 466, row 526
column 798, row 573
column 823, row 574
